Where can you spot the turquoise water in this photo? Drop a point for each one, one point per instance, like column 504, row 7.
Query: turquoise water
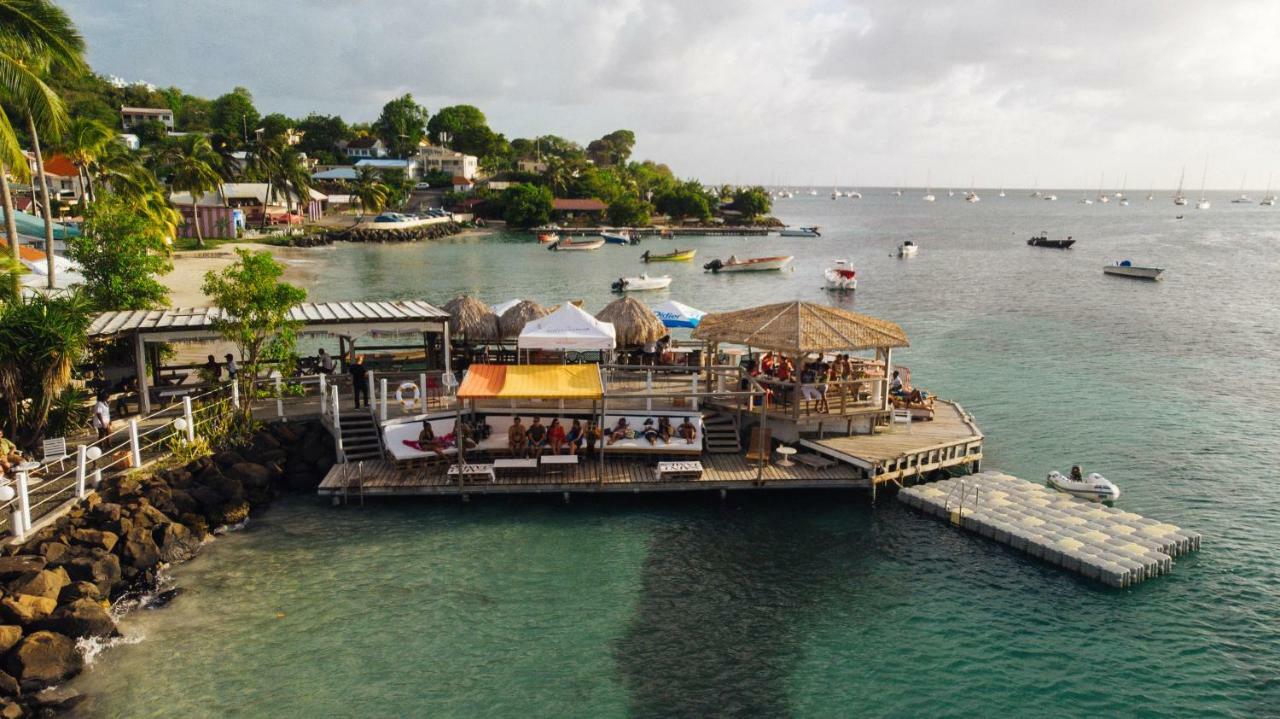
column 805, row 605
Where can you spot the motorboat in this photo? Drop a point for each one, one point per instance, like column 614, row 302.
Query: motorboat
column 800, row 232
column 1124, row 202
column 1268, row 201
column 972, row 196
column 908, row 249
column 751, row 264
column 1051, row 198
column 1126, row 268
column 1044, row 241
column 643, row 283
column 1094, row 486
column 674, row 256
column 547, row 238
column 929, row 197
column 1242, row 200
column 853, row 195
column 896, row 193
column 1203, row 204
column 842, row 277
column 1086, row 201
column 836, row 194
column 566, row 244
column 617, row 238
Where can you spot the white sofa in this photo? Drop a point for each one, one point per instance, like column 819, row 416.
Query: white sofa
column 394, row 435
column 640, row 445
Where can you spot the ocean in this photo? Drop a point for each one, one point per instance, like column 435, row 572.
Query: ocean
column 804, row 604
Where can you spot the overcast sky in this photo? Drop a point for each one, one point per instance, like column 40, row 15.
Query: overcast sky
column 806, row 92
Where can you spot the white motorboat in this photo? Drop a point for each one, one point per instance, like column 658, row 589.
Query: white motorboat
column 896, row 193
column 836, row 194
column 1086, row 201
column 853, row 195
column 842, row 277
column 800, row 232
column 618, row 238
column 641, row 284
column 1051, row 198
column 1124, row 202
column 1268, row 201
column 929, row 197
column 972, row 196
column 1095, row 486
column 751, row 264
column 1126, row 268
column 568, row 245
column 908, row 249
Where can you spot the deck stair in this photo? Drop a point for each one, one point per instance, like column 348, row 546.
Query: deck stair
column 721, row 432
column 360, row 438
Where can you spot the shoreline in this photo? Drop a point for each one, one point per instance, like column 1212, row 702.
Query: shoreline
column 190, row 266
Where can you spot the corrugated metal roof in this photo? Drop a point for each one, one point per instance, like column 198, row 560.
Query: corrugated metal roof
column 311, row 313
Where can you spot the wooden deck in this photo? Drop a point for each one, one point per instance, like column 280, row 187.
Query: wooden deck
column 618, row 474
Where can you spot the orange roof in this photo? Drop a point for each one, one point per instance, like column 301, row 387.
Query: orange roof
column 30, row 254
column 488, row 381
column 589, row 204
column 61, row 165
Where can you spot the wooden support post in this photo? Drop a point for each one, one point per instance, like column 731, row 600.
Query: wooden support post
column 337, row 427
column 648, row 387
column 448, row 349
column 279, row 397
column 422, row 389
column 888, row 372
column 82, row 469
column 324, row 392
column 694, row 396
column 140, row 368
column 189, row 419
column 382, row 404
column 371, row 398
column 135, row 450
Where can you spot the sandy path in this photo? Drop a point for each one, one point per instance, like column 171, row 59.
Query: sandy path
column 189, row 269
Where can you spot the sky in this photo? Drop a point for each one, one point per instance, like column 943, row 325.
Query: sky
column 997, row 93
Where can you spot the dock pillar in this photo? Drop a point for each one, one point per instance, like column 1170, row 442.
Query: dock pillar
column 566, row 497
column 723, row 493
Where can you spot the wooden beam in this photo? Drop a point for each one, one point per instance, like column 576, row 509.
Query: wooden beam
column 140, row 366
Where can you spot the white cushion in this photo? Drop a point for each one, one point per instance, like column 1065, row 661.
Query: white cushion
column 640, row 444
column 394, row 436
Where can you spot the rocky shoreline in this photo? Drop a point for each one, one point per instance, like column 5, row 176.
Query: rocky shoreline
column 59, row 585
column 406, row 234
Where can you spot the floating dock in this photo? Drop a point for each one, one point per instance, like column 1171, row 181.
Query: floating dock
column 1106, row 544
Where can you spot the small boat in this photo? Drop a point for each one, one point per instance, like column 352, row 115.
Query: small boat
column 617, row 238
column 908, row 249
column 1268, row 201
column 1051, row 198
column 676, row 256
column 853, row 195
column 641, row 284
column 842, row 277
column 1095, row 486
column 568, row 245
column 1126, row 268
column 800, row 232
column 547, row 238
column 751, row 264
column 1044, row 241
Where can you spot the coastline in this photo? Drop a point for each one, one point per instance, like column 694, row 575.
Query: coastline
column 190, row 266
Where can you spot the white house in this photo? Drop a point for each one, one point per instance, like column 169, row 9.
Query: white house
column 536, row 166
column 131, row 117
column 442, row 159
column 370, row 147
column 409, row 167
column 130, row 140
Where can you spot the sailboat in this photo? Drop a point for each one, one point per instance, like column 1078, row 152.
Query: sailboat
column 1203, row 204
column 1035, row 188
column 1178, row 197
column 928, row 190
column 1102, row 196
column 1120, row 193
column 1243, row 198
column 1268, row 199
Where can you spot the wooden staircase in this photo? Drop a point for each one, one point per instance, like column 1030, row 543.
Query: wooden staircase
column 721, row 434
column 360, row 438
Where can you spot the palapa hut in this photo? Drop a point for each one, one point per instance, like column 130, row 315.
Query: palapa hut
column 796, row 330
column 514, row 319
column 472, row 320
column 634, row 323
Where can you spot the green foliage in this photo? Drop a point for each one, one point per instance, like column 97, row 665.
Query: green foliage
column 629, row 211
column 527, row 205
column 255, row 306
column 41, row 338
column 120, row 254
column 321, row 134
column 70, row 412
column 192, row 165
column 438, row 178
column 452, row 122
column 607, row 184
column 274, row 127
column 612, row 149
column 752, row 201
column 233, row 115
column 402, row 124
column 686, row 199
column 369, row 190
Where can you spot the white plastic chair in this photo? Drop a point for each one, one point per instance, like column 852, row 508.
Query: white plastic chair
column 450, row 383
column 55, row 450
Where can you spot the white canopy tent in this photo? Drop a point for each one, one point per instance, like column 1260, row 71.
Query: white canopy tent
column 569, row 328
column 501, row 307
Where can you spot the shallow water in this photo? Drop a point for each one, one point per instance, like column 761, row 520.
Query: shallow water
column 802, row 605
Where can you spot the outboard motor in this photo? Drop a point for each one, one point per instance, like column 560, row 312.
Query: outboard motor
column 713, row 266
column 619, row 285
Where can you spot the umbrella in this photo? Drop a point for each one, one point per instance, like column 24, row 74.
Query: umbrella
column 676, row 314
column 635, row 324
column 471, row 319
column 523, row 312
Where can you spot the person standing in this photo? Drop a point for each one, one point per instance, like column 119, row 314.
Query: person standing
column 101, row 419
column 212, row 370
column 325, row 361
column 233, row 370
column 359, row 381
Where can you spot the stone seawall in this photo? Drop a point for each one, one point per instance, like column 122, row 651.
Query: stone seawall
column 58, row 586
column 406, row 234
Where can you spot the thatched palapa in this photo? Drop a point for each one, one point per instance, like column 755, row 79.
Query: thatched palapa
column 799, row 328
column 525, row 311
column 634, row 323
column 471, row 319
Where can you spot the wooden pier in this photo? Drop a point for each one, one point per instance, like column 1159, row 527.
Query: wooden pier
column 1106, row 544
column 650, row 232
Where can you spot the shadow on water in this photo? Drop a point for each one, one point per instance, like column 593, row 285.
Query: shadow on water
column 724, row 600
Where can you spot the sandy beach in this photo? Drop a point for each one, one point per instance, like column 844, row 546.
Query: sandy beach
column 189, row 269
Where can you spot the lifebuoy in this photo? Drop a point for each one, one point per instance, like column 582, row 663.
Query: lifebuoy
column 411, row 402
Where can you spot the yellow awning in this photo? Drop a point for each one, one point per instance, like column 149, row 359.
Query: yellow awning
column 531, row 382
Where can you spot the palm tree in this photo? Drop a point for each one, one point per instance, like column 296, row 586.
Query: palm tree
column 86, row 141
column 293, row 174
column 369, row 190
column 191, row 162
column 41, row 339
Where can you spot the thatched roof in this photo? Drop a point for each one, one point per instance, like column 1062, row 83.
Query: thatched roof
column 634, row 323
column 524, row 312
column 471, row 319
column 799, row 328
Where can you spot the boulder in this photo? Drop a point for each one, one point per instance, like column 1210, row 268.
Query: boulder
column 251, row 475
column 228, row 458
column 147, row 516
column 230, row 513
column 182, row 502
column 107, row 511
column 198, row 525
column 20, row 564
column 44, row 658
column 25, row 609
column 175, row 542
column 81, row 618
column 55, row 553
column 139, row 549
column 103, row 572
column 9, row 635
column 311, row 452
column 128, row 488
column 56, row 701
column 95, row 538
column 44, row 583
column 285, row 433
column 79, row 590
column 9, row 688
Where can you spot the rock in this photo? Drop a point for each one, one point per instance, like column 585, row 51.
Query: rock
column 147, row 516
column 175, row 542
column 206, row 499
column 103, row 572
column 81, row 618
column 95, row 538
column 45, row 583
column 183, row 502
column 162, row 599
column 79, row 590
column 252, row 475
column 58, row 700
column 198, row 525
column 273, row 456
column 128, row 488
column 285, row 433
column 228, row 459
column 262, row 441
column 55, row 553
column 9, row 635
column 107, row 511
column 9, row 688
column 20, row 564
column 230, row 513
column 311, row 452
column 44, row 658
column 139, row 549
column 25, row 609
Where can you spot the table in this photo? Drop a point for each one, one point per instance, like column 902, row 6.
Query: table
column 786, row 453
column 515, row 465
column 472, row 471
column 559, row 461
column 678, row 470
column 28, row 468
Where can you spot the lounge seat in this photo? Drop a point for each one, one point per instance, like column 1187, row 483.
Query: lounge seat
column 395, row 434
column 639, row 445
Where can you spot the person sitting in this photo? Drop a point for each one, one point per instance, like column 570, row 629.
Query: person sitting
column 665, row 430
column 211, row 371
column 621, row 431
column 1077, row 474
column 573, row 438
column 325, row 361
column 687, row 431
column 427, row 440
column 517, row 439
column 786, row 368
column 591, row 438
column 650, row 432
column 555, row 436
column 895, row 384
column 10, row 457
column 537, row 436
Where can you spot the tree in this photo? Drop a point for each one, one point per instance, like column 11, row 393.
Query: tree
column 686, row 199
column 120, row 253
column 321, row 134
column 369, row 190
column 85, row 141
column 612, row 149
column 192, row 167
column 233, row 115
column 752, row 201
column 629, row 211
column 453, row 122
column 42, row 337
column 402, row 125
column 527, row 205
column 255, row 307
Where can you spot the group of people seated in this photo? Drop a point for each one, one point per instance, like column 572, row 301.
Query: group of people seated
column 427, row 440
column 900, row 391
column 538, row 439
column 814, row 378
column 652, row 432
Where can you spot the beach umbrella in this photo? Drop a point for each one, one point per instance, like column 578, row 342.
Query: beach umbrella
column 634, row 323
column 472, row 319
column 523, row 312
column 677, row 314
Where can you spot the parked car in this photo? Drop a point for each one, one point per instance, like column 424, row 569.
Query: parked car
column 422, row 186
